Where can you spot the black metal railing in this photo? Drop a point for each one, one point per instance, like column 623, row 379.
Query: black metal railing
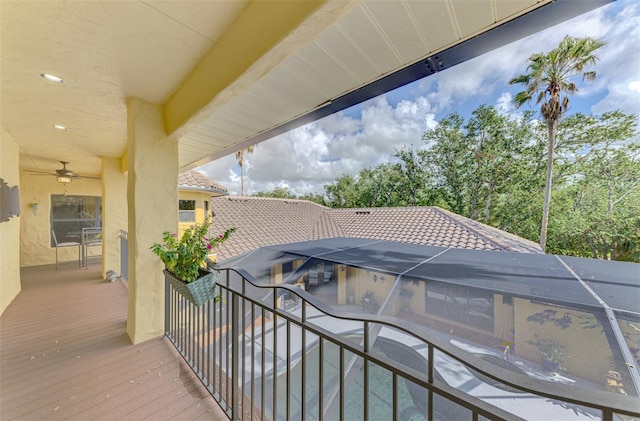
column 274, row 352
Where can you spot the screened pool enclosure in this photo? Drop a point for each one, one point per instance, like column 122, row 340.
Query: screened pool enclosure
column 566, row 320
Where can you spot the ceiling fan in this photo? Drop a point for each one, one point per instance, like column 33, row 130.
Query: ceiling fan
column 64, row 175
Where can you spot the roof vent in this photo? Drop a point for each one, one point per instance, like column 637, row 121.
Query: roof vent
column 363, row 212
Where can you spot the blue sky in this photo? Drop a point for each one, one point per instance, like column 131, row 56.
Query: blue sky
column 309, row 157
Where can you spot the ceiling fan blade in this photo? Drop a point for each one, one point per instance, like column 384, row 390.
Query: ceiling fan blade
column 66, row 173
column 36, row 172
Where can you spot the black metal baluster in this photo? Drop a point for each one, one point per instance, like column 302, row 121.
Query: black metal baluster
column 303, row 349
column 287, row 374
column 320, row 378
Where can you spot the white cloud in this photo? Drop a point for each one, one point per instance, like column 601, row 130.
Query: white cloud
column 504, row 104
column 618, row 59
column 309, row 157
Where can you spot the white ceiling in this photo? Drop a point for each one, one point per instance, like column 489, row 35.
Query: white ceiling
column 110, row 50
column 105, row 51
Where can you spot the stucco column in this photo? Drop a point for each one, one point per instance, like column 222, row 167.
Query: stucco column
column 114, row 212
column 10, row 230
column 153, row 208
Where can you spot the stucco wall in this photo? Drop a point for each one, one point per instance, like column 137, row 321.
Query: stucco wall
column 361, row 281
column 576, row 337
column 35, row 230
column 200, row 198
column 114, row 212
column 9, row 230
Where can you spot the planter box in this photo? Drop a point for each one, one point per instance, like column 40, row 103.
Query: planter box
column 197, row 292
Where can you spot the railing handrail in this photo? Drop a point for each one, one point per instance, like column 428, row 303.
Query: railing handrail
column 600, row 400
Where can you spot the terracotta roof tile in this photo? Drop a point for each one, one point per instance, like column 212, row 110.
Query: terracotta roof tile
column 263, row 221
column 197, row 180
column 267, row 221
column 505, row 240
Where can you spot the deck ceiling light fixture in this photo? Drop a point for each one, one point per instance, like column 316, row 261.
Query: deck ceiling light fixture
column 59, row 127
column 64, row 180
column 52, row 78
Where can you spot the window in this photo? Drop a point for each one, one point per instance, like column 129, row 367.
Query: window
column 187, row 211
column 69, row 214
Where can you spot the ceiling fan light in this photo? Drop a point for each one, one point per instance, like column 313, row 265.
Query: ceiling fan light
column 64, row 180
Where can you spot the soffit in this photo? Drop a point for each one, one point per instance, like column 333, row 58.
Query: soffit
column 373, row 40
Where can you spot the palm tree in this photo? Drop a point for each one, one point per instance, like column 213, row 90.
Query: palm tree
column 240, row 159
column 549, row 80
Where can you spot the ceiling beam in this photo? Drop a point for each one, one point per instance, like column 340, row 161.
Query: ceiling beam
column 263, row 36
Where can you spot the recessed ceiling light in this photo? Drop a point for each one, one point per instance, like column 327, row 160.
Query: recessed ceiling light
column 59, row 127
column 52, row 78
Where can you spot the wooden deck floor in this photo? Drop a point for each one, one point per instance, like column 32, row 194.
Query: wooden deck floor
column 65, row 354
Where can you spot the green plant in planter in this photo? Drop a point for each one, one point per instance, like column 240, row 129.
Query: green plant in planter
column 185, row 256
column 552, row 352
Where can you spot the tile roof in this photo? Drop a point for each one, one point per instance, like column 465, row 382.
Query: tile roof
column 267, row 221
column 262, row 221
column 507, row 241
column 427, row 225
column 195, row 180
column 417, row 225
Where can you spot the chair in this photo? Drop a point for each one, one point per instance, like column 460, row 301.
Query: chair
column 313, row 277
column 91, row 237
column 66, row 244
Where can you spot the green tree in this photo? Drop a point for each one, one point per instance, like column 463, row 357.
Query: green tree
column 601, row 218
column 279, row 192
column 342, row 192
column 580, row 136
column 313, row 197
column 448, row 157
column 549, row 81
column 398, row 183
column 485, row 169
column 501, row 157
column 384, row 185
column 413, row 181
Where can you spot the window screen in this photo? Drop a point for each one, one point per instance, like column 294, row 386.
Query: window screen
column 69, row 214
column 469, row 306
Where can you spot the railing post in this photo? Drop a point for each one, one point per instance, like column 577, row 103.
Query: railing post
column 303, row 365
column 167, row 307
column 365, row 380
column 430, row 395
column 235, row 332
